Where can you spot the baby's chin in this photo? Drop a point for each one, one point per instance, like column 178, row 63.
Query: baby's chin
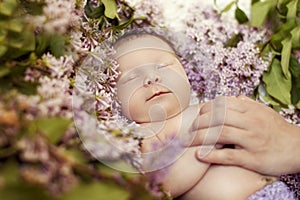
column 157, row 114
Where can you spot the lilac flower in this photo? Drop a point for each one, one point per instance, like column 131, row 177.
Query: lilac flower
column 105, row 133
column 59, row 67
column 54, row 94
column 44, row 166
column 58, row 16
column 291, row 114
column 151, row 10
column 213, row 65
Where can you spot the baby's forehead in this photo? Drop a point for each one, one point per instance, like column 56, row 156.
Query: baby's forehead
column 145, row 59
column 140, row 42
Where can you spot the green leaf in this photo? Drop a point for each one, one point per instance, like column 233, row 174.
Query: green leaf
column 295, row 72
column 296, row 37
column 298, row 105
column 259, row 12
column 271, row 101
column 3, row 34
column 266, row 50
column 241, row 16
column 15, row 25
column 3, row 50
column 14, row 188
column 283, row 33
column 4, row 71
column 42, row 43
column 33, row 7
column 228, row 7
column 23, row 190
column 28, row 40
column 276, row 83
column 294, row 66
column 124, row 25
column 9, row 171
column 215, row 3
column 262, row 94
column 92, row 12
column 110, row 8
column 285, row 56
column 28, row 88
column 7, row 7
column 20, row 43
column 234, row 40
column 52, row 127
column 76, row 155
column 96, row 191
column 57, row 45
column 254, row 1
column 292, row 9
column 295, row 98
column 281, row 8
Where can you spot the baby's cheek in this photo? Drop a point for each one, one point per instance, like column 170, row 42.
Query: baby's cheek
column 137, row 110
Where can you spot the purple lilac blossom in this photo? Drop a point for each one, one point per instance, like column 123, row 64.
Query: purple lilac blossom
column 104, row 132
column 293, row 182
column 213, row 66
column 275, row 191
column 58, row 17
column 291, row 115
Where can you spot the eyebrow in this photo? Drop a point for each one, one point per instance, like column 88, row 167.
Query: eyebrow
column 159, row 60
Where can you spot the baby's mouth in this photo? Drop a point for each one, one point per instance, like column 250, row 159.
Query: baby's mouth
column 156, row 94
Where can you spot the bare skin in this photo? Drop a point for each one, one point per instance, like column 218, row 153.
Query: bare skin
column 187, row 178
column 154, row 92
column 267, row 143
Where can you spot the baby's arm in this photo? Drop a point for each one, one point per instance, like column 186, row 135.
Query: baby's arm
column 182, row 174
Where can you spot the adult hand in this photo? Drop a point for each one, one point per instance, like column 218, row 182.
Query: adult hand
column 265, row 142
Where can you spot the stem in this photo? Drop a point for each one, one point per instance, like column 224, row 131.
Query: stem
column 7, row 152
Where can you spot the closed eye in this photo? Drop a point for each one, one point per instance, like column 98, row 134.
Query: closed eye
column 129, row 78
column 160, row 66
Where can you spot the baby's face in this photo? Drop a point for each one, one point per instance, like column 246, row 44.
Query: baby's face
column 152, row 85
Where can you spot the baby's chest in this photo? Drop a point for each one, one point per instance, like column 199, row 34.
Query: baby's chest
column 227, row 182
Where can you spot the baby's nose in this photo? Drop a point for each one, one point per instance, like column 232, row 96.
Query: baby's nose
column 151, row 79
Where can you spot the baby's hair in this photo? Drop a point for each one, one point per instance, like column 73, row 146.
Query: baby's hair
column 137, row 33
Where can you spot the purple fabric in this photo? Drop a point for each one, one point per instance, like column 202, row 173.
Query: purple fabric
column 275, row 191
column 293, row 182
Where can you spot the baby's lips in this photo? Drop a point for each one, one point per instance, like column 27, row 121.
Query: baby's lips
column 157, row 94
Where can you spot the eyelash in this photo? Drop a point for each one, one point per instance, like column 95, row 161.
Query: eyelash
column 130, row 79
column 161, row 66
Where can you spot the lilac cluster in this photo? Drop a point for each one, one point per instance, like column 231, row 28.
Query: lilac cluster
column 54, row 93
column 151, row 10
column 108, row 137
column 58, row 17
column 45, row 165
column 291, row 114
column 277, row 190
column 105, row 133
column 221, row 57
column 293, row 182
column 81, row 85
